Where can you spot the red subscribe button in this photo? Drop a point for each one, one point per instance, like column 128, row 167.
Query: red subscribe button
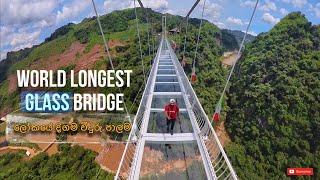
column 299, row 171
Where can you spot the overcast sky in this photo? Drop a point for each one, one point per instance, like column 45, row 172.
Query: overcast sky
column 28, row 22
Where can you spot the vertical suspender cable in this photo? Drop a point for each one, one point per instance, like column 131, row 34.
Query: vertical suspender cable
column 102, row 34
column 108, row 54
column 185, row 38
column 148, row 28
column 138, row 33
column 198, row 39
column 218, row 106
column 186, row 32
column 148, row 34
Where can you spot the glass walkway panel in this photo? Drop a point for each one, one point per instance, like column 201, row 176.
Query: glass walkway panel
column 174, row 160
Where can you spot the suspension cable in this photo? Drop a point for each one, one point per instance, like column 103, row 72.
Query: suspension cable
column 186, row 19
column 103, row 38
column 185, row 38
column 148, row 29
column 138, row 33
column 136, row 97
column 148, row 37
column 218, row 107
column 189, row 12
column 198, row 38
column 108, row 53
column 134, row 101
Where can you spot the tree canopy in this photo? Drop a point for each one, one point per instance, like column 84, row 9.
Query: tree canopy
column 70, row 163
column 274, row 100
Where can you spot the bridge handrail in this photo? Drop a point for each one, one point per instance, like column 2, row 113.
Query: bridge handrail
column 135, row 133
column 207, row 131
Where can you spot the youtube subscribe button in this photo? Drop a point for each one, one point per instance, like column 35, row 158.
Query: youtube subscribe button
column 299, row 171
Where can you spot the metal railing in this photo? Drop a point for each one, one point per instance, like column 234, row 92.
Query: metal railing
column 218, row 158
column 129, row 155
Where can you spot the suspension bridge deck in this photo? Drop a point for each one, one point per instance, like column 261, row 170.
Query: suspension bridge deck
column 193, row 151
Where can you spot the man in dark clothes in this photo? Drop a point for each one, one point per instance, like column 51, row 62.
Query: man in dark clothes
column 172, row 114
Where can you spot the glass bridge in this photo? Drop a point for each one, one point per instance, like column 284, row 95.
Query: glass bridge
column 193, row 151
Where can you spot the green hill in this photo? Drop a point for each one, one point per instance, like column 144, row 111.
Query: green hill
column 239, row 35
column 274, row 101
column 79, row 46
column 70, row 163
column 71, row 46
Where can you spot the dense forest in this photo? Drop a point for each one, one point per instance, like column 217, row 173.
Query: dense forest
column 274, row 102
column 70, row 163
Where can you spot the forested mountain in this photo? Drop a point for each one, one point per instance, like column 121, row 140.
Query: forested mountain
column 239, row 35
column 79, row 46
column 274, row 102
column 70, row 163
column 12, row 57
column 16, row 56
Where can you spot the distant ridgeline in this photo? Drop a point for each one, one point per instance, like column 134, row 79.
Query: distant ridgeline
column 228, row 36
column 12, row 57
column 274, row 105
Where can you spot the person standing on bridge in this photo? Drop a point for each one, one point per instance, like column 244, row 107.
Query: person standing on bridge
column 172, row 114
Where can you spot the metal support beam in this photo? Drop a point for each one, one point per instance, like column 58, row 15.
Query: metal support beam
column 161, row 110
column 166, row 137
column 167, row 82
column 166, row 75
column 167, row 93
